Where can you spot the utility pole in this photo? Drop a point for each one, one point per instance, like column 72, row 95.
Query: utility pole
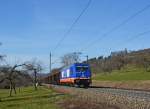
column 50, row 62
column 87, row 59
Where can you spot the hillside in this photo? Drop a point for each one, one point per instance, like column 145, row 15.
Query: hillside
column 117, row 61
column 126, row 74
column 123, row 69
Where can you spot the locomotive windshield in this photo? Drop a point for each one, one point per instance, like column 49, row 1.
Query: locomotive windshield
column 81, row 68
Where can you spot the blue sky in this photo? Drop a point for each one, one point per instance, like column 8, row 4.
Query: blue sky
column 32, row 28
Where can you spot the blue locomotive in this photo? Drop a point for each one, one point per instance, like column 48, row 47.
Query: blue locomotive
column 76, row 74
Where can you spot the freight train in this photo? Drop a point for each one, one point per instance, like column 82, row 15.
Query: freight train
column 78, row 74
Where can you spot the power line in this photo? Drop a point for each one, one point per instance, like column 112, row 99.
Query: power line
column 116, row 27
column 135, row 37
column 58, row 60
column 122, row 43
column 70, row 29
column 73, row 24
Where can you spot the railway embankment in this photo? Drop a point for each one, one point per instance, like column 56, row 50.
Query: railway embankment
column 115, row 98
column 132, row 85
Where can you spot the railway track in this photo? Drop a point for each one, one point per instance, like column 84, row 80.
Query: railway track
column 144, row 95
column 133, row 94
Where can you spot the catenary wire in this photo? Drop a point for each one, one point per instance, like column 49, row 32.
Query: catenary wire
column 115, row 28
column 72, row 26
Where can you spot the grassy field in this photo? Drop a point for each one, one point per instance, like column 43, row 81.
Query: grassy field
column 127, row 74
column 27, row 98
column 47, row 99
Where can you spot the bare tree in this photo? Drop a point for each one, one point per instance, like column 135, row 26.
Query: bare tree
column 2, row 56
column 36, row 67
column 70, row 58
column 9, row 73
column 12, row 74
column 146, row 63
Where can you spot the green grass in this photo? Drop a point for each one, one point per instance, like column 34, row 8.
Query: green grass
column 127, row 74
column 27, row 98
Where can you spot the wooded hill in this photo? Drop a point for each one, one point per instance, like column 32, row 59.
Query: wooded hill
column 121, row 59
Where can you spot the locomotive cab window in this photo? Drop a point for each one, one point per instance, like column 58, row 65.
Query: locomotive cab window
column 81, row 68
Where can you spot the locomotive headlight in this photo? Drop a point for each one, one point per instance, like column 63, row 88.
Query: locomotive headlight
column 88, row 80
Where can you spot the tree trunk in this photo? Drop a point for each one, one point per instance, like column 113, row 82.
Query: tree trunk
column 14, row 87
column 35, row 79
column 19, row 90
column 10, row 92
